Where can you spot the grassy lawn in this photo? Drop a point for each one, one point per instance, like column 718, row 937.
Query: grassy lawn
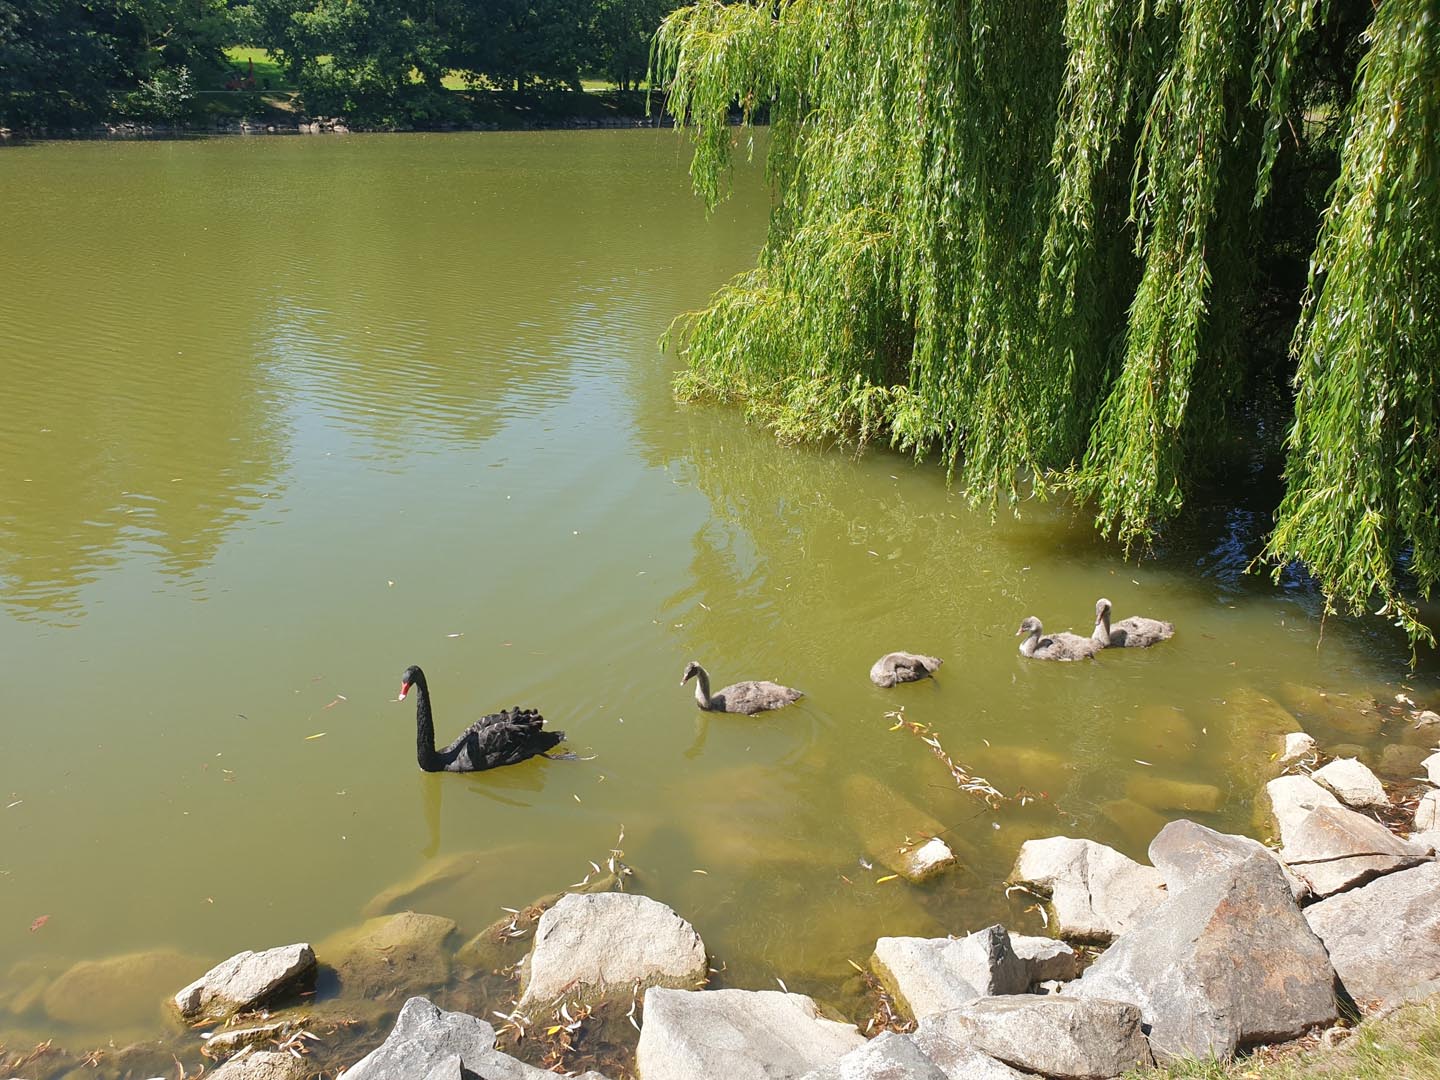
column 1403, row 1046
column 268, row 74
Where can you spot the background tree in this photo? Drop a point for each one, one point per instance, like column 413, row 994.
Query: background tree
column 1023, row 236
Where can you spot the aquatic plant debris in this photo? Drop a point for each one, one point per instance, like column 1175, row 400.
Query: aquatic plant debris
column 39, row 922
column 975, row 785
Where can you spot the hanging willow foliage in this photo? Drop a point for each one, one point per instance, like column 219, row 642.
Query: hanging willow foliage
column 1019, row 235
column 1363, row 476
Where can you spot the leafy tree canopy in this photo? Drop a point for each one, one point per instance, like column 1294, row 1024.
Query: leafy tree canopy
column 1038, row 240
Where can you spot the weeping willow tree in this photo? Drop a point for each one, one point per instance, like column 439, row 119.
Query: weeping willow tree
column 1025, row 237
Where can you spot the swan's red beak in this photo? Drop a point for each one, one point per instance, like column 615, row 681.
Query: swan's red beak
column 404, row 689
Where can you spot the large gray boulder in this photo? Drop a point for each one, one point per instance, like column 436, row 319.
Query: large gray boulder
column 890, row 1056
column 736, row 1035
column 1063, row 1037
column 1352, row 783
column 1384, row 938
column 1095, row 892
column 590, row 947
column 428, row 1041
column 1332, row 849
column 245, row 980
column 930, row 975
column 1427, row 812
column 1186, row 852
column 1227, row 962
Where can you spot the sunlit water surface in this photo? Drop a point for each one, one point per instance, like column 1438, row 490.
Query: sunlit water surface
column 285, row 415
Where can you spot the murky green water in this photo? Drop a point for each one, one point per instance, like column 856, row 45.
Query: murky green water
column 282, row 416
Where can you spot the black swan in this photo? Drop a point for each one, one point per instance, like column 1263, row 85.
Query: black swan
column 743, row 697
column 501, row 738
column 1136, row 632
column 898, row 667
column 1054, row 646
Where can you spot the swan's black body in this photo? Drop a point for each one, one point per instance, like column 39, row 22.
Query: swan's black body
column 501, row 738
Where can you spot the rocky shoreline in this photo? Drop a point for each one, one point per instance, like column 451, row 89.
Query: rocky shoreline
column 1219, row 945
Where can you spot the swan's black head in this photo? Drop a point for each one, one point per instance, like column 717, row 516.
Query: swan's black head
column 1031, row 625
column 691, row 670
column 1102, row 608
column 409, row 678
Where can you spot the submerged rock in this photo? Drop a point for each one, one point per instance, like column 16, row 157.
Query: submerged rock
column 931, row 975
column 736, row 1035
column 1333, row 849
column 1384, row 938
column 1161, row 793
column 405, row 951
column 1352, row 783
column 1095, row 892
column 1137, row 823
column 230, row 1041
column 1224, row 963
column 435, row 874
column 1063, row 1037
column 593, row 947
column 117, row 991
column 245, row 980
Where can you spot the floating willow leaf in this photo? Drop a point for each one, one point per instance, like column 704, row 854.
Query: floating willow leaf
column 1363, row 474
column 1018, row 235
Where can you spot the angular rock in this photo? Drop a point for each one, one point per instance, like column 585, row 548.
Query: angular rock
column 1095, row 892
column 245, row 980
column 405, row 950
column 890, row 1056
column 1384, row 938
column 1227, row 962
column 1186, row 852
column 428, row 1041
column 1045, row 959
column 1352, row 783
column 926, row 861
column 1297, row 745
column 736, row 1035
column 1293, row 797
column 1333, row 849
column 1427, row 812
column 1160, row 793
column 930, row 975
column 597, row 946
column 1063, row 1037
column 1432, row 768
column 262, row 1065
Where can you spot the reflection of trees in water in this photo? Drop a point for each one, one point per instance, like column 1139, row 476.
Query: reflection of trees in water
column 164, row 456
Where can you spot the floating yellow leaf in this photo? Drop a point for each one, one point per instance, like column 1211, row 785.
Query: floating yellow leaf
column 317, row 735
column 887, row 877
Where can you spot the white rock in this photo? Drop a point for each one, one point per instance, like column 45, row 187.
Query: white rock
column 922, row 1056
column 1352, row 783
column 246, row 979
column 736, row 1035
column 1045, row 959
column 1426, row 718
column 1297, row 746
column 1427, row 812
column 1432, row 768
column 1095, row 891
column 262, row 1065
column 930, row 975
column 594, row 946
column 927, row 860
column 1293, row 797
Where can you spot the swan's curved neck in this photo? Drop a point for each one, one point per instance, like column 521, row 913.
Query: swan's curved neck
column 1031, row 643
column 1101, row 633
column 425, row 729
column 702, row 687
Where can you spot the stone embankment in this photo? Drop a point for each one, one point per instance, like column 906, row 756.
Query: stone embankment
column 1219, row 944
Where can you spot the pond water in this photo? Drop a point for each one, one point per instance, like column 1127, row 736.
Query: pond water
column 283, row 416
